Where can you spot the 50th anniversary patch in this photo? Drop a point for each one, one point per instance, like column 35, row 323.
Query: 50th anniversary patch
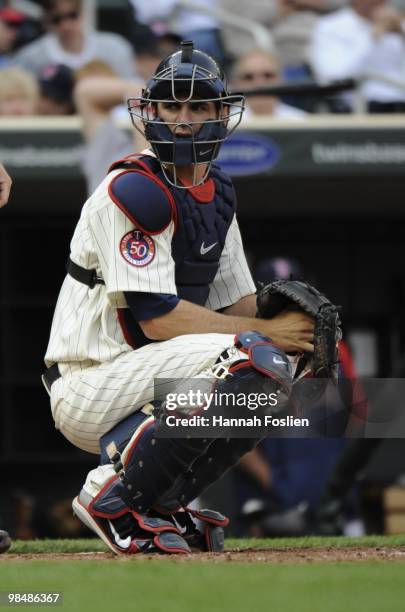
column 137, row 248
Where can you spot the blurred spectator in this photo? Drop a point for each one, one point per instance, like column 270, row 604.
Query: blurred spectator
column 260, row 68
column 202, row 28
column 100, row 98
column 362, row 39
column 10, row 23
column 289, row 24
column 150, row 55
column 292, row 32
column 96, row 97
column 56, row 84
column 94, row 68
column 238, row 41
column 68, row 43
column 19, row 93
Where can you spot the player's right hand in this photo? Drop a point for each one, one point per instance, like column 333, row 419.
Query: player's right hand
column 293, row 331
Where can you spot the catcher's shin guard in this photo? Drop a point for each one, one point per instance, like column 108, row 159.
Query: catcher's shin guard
column 224, row 453
column 149, row 465
column 221, row 455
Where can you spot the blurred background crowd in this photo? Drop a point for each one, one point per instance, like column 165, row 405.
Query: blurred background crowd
column 62, row 58
column 48, row 48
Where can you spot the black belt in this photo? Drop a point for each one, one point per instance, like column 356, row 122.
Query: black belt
column 49, row 377
column 87, row 277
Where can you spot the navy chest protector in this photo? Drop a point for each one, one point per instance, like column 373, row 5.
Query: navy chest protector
column 201, row 226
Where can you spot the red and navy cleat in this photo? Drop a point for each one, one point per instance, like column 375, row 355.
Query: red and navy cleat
column 203, row 530
column 127, row 532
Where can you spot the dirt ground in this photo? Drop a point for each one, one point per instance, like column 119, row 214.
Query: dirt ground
column 265, row 555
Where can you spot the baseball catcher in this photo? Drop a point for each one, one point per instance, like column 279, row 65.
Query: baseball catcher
column 158, row 286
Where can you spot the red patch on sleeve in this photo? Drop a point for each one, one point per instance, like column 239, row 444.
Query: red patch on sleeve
column 137, row 248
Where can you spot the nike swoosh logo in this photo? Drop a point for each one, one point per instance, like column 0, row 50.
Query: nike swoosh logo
column 125, row 544
column 280, row 361
column 204, row 249
column 205, row 152
column 181, row 529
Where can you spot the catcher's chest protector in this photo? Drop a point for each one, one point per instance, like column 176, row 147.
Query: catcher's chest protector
column 201, row 231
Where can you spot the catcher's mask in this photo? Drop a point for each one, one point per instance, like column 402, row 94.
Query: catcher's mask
column 185, row 75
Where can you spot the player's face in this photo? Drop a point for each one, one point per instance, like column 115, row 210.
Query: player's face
column 194, row 112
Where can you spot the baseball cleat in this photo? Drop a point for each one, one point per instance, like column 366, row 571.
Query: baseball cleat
column 130, row 533
column 203, row 530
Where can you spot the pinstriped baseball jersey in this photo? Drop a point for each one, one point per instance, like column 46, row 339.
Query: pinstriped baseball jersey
column 103, row 378
column 86, row 329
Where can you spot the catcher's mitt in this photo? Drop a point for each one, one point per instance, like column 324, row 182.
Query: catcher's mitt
column 300, row 295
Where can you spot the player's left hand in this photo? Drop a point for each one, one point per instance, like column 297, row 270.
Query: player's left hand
column 280, row 295
column 5, row 185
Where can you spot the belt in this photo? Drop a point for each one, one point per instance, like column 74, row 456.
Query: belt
column 49, row 376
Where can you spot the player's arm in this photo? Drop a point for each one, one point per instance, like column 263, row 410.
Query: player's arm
column 5, row 185
column 292, row 331
column 245, row 307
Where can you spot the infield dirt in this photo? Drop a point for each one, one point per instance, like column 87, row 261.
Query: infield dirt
column 265, row 555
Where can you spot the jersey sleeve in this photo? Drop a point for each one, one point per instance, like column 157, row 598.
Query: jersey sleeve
column 131, row 260
column 233, row 280
column 145, row 306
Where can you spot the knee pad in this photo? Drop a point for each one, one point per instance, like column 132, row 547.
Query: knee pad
column 266, row 357
column 261, row 367
column 252, row 364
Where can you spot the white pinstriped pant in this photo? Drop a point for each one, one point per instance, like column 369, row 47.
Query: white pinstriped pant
column 89, row 403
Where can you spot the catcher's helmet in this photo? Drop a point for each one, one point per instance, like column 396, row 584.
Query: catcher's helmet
column 182, row 76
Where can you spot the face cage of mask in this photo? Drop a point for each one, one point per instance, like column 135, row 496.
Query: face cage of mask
column 140, row 109
column 142, row 113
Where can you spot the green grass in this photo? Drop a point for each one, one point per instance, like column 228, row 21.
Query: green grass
column 319, row 542
column 95, row 545
column 153, row 585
